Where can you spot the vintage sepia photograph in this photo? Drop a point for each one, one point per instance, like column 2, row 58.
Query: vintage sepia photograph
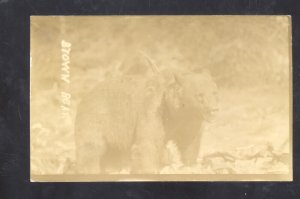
column 160, row 98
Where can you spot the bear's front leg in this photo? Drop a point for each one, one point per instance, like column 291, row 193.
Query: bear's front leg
column 147, row 150
column 145, row 158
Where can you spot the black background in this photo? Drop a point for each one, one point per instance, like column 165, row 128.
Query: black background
column 14, row 100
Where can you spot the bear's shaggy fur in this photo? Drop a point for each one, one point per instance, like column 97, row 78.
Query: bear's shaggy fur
column 126, row 122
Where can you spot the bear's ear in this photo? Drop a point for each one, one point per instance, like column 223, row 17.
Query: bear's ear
column 178, row 79
column 172, row 96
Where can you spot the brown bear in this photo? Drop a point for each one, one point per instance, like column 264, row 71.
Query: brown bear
column 126, row 122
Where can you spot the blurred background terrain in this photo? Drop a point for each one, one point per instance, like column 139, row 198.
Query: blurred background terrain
column 248, row 57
